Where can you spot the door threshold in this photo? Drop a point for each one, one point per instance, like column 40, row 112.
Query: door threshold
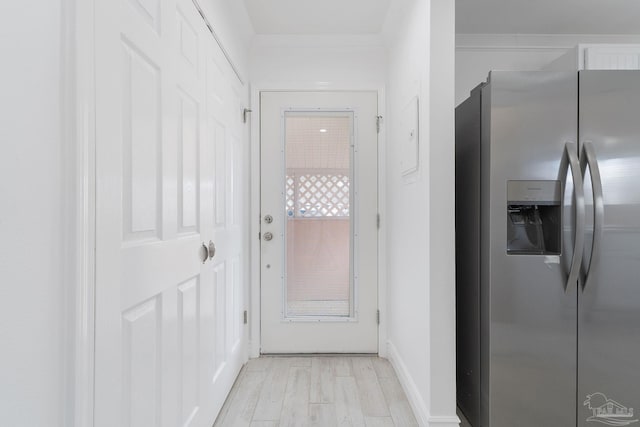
column 318, row 354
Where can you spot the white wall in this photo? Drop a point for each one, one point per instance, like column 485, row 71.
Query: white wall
column 442, row 214
column 31, row 224
column 232, row 25
column 408, row 210
column 326, row 62
column 477, row 54
column 420, row 229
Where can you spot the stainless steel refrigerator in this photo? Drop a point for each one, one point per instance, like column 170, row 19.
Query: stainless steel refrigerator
column 548, row 249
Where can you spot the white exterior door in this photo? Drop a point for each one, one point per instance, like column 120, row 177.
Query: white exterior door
column 169, row 333
column 319, row 206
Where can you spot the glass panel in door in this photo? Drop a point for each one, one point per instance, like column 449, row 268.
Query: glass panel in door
column 318, row 211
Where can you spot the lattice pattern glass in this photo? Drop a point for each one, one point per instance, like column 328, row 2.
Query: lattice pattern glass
column 317, row 205
column 317, row 195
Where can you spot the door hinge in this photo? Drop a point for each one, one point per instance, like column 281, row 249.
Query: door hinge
column 259, row 236
column 245, row 113
column 378, row 123
column 378, row 221
column 245, row 317
column 378, row 316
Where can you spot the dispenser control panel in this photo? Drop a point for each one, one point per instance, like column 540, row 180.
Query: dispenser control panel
column 534, row 213
column 540, row 192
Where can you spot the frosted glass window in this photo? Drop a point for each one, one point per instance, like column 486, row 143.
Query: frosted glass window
column 318, row 199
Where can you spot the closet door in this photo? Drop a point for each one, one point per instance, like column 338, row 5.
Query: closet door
column 168, row 310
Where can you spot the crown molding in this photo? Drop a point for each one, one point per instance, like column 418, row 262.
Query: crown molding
column 535, row 42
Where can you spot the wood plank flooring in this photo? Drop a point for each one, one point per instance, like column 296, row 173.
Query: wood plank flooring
column 317, row 391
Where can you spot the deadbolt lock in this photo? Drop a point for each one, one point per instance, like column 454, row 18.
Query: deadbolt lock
column 268, row 219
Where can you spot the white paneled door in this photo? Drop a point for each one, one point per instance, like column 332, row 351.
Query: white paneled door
column 169, row 332
column 319, row 210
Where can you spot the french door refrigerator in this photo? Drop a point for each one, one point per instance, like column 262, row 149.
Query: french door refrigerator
column 548, row 249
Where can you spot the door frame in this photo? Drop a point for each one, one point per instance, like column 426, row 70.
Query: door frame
column 255, row 342
column 79, row 110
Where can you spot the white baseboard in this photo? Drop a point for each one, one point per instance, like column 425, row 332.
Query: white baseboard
column 416, row 400
column 444, row 421
column 414, row 396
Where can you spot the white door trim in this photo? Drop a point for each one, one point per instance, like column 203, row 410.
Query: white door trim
column 78, row 88
column 254, row 318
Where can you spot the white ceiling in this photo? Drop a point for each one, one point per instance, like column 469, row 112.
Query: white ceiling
column 548, row 16
column 317, row 16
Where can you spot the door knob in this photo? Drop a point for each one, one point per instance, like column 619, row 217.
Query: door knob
column 204, row 253
column 268, row 219
column 212, row 249
column 268, row 236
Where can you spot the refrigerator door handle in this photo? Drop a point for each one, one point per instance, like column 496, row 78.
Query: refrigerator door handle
column 589, row 158
column 571, row 157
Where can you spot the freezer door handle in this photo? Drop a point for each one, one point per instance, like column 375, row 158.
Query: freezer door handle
column 589, row 158
column 570, row 161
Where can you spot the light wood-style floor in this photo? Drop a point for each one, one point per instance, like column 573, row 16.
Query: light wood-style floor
column 317, row 391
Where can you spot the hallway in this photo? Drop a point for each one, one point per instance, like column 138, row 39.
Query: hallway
column 149, row 203
column 138, row 152
column 317, row 391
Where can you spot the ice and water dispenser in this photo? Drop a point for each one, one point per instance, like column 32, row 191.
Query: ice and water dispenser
column 534, row 211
